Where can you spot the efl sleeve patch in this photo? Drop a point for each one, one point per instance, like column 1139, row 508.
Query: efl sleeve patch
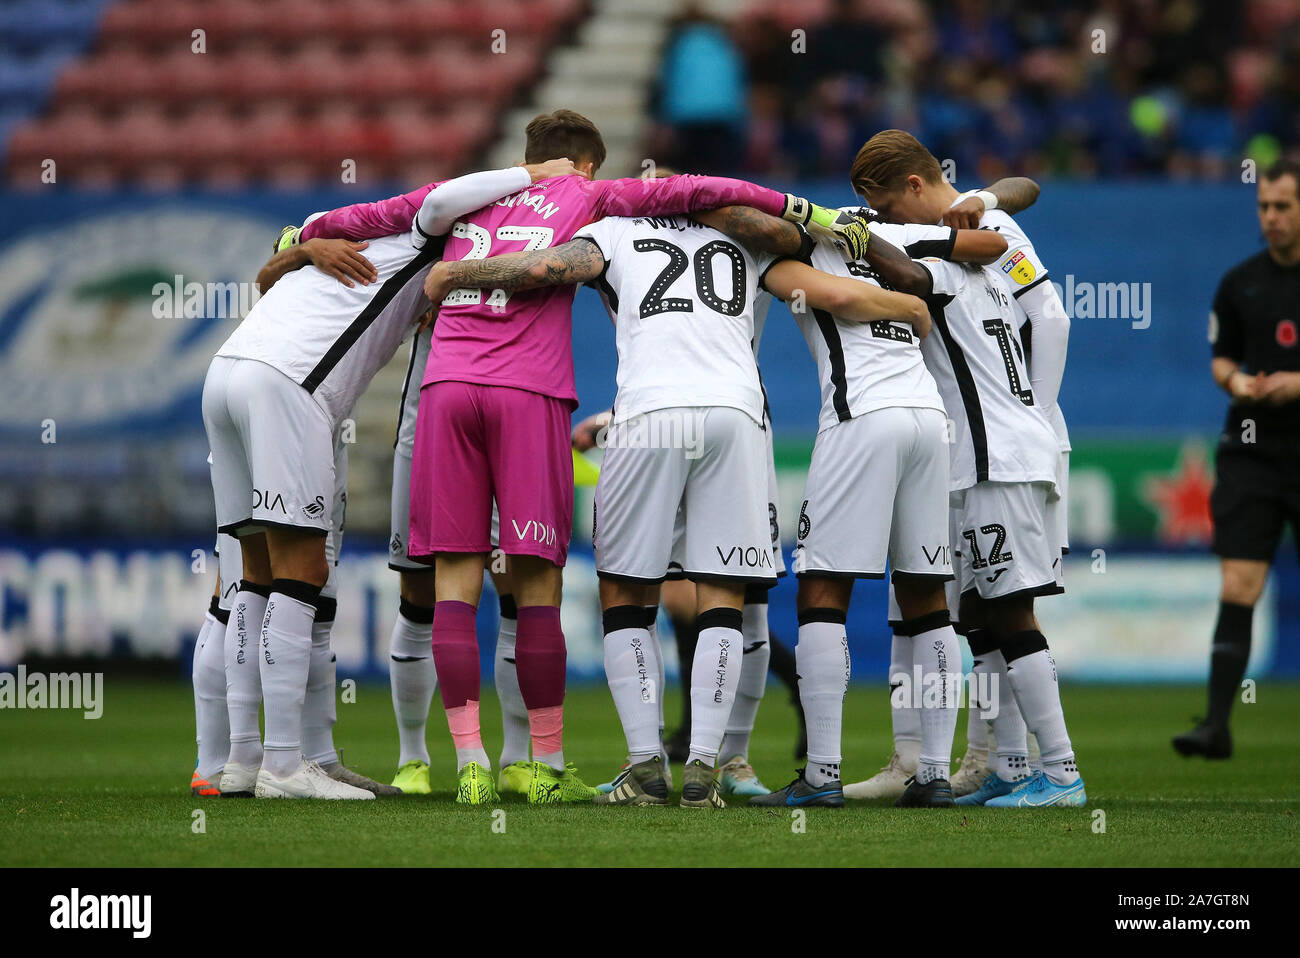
column 1020, row 268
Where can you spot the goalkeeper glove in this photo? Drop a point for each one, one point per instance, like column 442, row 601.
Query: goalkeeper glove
column 289, row 236
column 855, row 238
column 819, row 220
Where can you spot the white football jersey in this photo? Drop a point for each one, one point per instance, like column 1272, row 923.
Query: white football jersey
column 863, row 366
column 682, row 296
column 331, row 339
column 1024, row 271
column 974, row 351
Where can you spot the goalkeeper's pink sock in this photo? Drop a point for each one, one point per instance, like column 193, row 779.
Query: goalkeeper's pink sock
column 455, row 658
column 539, row 661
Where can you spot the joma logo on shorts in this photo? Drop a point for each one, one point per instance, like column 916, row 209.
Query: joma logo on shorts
column 536, row 531
column 753, row 558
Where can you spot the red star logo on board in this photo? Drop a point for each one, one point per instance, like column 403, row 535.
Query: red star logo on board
column 1181, row 499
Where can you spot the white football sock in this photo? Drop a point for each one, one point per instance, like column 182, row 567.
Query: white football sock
column 212, row 720
column 753, row 681
column 977, row 730
column 1033, row 678
column 285, row 661
column 979, row 737
column 413, row 680
column 514, row 714
column 319, row 710
column 715, row 673
column 632, row 673
column 938, row 655
column 1035, row 753
column 652, row 626
column 476, row 754
column 243, row 654
column 1009, row 730
column 905, row 716
column 208, row 620
column 822, row 661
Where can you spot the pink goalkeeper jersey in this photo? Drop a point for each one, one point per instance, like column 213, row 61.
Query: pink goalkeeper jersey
column 524, row 339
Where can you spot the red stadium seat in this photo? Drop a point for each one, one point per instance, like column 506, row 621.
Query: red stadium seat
column 205, row 138
column 142, row 137
column 290, row 88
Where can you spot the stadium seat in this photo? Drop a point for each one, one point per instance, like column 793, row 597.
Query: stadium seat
column 389, row 83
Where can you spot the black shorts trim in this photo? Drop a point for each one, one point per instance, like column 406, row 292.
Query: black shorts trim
column 314, row 530
column 827, row 574
column 772, row 583
column 631, row 579
column 921, row 576
column 726, row 577
column 1033, row 592
column 251, row 523
column 401, row 568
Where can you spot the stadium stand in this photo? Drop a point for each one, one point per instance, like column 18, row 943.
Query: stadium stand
column 1080, row 89
column 407, row 88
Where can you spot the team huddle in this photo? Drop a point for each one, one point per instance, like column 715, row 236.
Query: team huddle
column 941, row 455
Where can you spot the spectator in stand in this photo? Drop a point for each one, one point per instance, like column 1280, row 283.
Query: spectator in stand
column 1102, row 88
column 701, row 95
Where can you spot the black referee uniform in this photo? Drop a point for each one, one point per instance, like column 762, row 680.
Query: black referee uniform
column 1257, row 312
column 1256, row 324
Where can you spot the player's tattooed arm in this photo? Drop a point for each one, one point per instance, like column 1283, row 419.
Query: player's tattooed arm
column 1015, row 193
column 1012, row 194
column 576, row 261
column 338, row 258
column 852, row 300
column 756, row 230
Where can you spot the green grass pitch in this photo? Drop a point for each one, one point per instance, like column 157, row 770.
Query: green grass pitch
column 114, row 792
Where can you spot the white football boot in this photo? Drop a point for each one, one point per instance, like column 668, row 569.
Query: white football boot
column 971, row 773
column 309, row 780
column 237, row 781
column 889, row 782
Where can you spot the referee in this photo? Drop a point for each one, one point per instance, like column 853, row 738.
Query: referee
column 1255, row 332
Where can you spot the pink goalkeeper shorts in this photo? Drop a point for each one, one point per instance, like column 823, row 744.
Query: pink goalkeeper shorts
column 475, row 442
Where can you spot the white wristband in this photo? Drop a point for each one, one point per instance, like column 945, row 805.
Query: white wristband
column 988, row 199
